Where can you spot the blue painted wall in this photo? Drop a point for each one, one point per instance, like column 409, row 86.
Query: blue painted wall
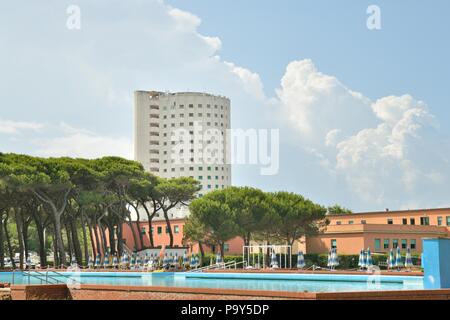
column 436, row 263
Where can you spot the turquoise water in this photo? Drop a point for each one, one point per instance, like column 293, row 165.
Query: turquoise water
column 272, row 282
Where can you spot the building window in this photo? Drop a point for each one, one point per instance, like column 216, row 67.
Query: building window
column 176, row 229
column 412, row 221
column 390, row 221
column 405, row 221
column 439, row 221
column 395, row 243
column 424, row 221
column 404, row 243
column 377, row 244
column 226, row 247
column 413, row 244
column 338, row 223
column 448, row 221
column 386, row 244
column 351, row 222
column 159, row 230
column 143, row 231
column 333, row 244
column 363, row 222
column 167, row 229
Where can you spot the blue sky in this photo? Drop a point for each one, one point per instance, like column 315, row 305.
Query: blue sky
column 362, row 114
column 410, row 54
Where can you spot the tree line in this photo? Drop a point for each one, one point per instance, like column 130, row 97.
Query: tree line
column 63, row 197
column 78, row 207
column 253, row 215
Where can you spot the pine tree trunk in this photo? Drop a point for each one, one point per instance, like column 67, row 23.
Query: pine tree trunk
column 69, row 241
column 42, row 249
column 119, row 239
column 166, row 216
column 150, row 233
column 222, row 248
column 8, row 243
column 92, row 238
column 19, row 225
column 98, row 243
column 133, row 232
column 141, row 236
column 202, row 251
column 76, row 242
column 25, row 241
column 85, row 242
column 104, row 242
column 150, row 223
column 60, row 244
column 112, row 241
column 2, row 251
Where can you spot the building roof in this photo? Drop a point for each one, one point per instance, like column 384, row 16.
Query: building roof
column 387, row 212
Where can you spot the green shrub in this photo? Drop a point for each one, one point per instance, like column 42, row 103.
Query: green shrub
column 208, row 256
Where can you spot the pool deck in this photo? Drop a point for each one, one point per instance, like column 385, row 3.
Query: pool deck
column 109, row 292
column 295, row 271
column 112, row 292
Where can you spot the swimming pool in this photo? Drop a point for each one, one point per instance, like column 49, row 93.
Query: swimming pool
column 240, row 281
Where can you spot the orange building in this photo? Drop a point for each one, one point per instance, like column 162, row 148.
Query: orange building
column 381, row 231
column 161, row 237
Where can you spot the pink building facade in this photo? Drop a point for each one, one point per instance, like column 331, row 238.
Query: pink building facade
column 161, row 237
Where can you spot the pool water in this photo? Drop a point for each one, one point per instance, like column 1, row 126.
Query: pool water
column 242, row 281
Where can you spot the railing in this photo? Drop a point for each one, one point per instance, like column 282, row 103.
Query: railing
column 228, row 265
column 47, row 277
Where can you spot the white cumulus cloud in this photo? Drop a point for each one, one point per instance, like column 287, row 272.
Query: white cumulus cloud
column 15, row 127
column 389, row 151
column 82, row 143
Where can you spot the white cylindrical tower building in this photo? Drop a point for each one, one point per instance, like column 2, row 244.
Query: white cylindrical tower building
column 183, row 134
